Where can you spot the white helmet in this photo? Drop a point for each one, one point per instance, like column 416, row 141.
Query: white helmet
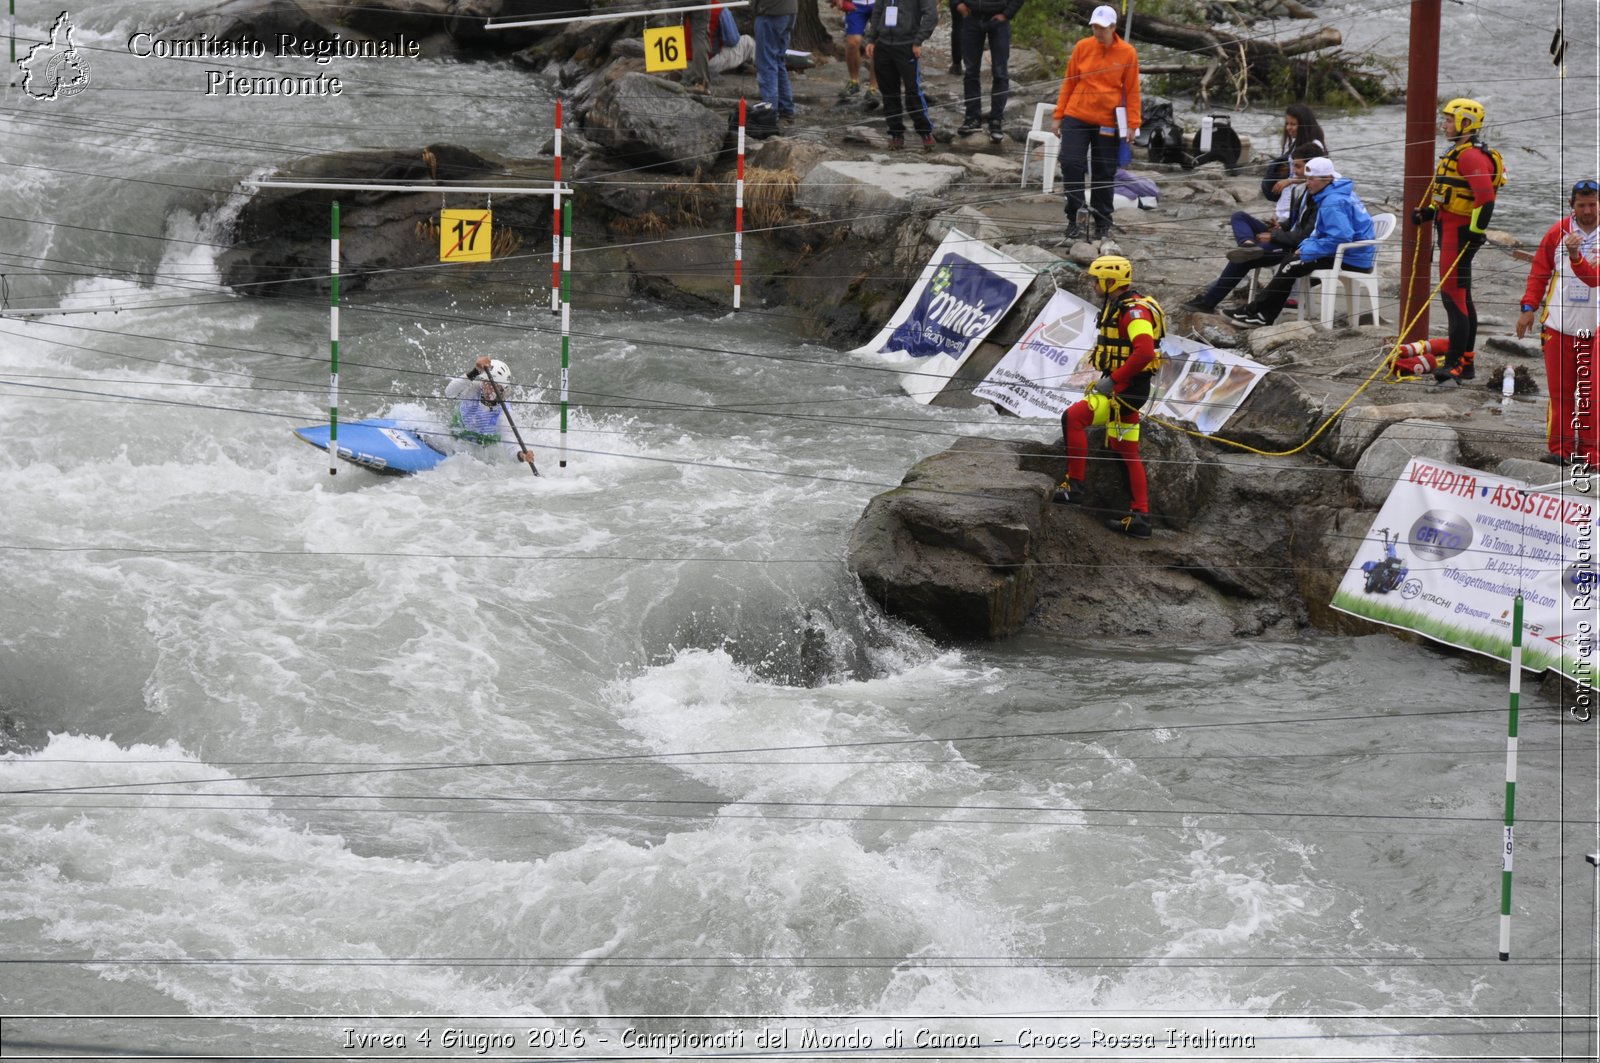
column 499, row 372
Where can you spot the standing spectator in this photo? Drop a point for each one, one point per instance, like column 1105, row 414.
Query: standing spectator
column 774, row 24
column 895, row 36
column 1300, row 127
column 1264, row 244
column 856, row 15
column 697, row 32
column 1459, row 203
column 984, row 22
column 1102, row 75
column 1127, row 353
column 1562, row 282
column 1341, row 219
column 955, row 43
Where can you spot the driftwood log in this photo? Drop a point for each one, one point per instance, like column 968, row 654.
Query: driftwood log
column 1226, row 62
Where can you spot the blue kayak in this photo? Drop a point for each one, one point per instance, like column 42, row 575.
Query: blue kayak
column 379, row 444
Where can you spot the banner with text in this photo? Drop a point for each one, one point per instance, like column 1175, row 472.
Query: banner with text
column 1452, row 547
column 964, row 291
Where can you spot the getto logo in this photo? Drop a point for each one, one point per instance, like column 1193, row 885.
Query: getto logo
column 56, row 69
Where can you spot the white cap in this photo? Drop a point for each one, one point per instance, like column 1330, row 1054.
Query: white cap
column 1322, row 166
column 1104, row 15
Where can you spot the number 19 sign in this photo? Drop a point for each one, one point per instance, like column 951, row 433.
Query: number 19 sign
column 464, row 236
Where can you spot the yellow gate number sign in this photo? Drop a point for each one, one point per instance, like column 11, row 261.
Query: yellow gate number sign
column 464, row 236
column 665, row 49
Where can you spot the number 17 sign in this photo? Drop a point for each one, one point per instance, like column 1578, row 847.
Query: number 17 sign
column 464, row 236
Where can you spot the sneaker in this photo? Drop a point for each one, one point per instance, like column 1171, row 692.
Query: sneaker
column 955, row 67
column 872, row 100
column 927, row 142
column 1134, row 524
column 1068, row 493
column 787, row 119
column 996, row 134
column 896, row 141
column 1198, row 305
column 969, row 127
column 1074, row 232
column 851, row 88
column 1552, row 458
column 1246, row 317
column 1246, row 253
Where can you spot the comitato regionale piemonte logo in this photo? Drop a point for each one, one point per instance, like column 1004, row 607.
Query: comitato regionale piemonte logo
column 56, row 69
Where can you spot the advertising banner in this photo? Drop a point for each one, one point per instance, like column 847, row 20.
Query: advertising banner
column 1047, row 370
column 964, row 291
column 1452, row 548
column 1208, row 384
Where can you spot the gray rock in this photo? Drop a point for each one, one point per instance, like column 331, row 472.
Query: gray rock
column 1269, row 338
column 870, row 197
column 1358, row 426
column 968, row 220
column 645, row 121
column 1386, row 458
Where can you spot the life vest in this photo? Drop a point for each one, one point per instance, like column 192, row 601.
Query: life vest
column 1450, row 191
column 475, row 422
column 1113, row 348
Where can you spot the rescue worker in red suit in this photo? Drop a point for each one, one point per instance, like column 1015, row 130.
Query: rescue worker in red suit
column 1562, row 282
column 1127, row 355
column 1459, row 203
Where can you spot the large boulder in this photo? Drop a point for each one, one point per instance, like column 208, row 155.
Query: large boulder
column 950, row 549
column 1386, row 458
column 645, row 121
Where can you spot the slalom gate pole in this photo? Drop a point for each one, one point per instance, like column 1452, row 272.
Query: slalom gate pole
column 566, row 318
column 333, row 346
column 1511, row 777
column 555, row 226
column 738, row 215
column 11, row 29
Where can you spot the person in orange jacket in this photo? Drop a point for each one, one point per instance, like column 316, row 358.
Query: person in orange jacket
column 1102, row 76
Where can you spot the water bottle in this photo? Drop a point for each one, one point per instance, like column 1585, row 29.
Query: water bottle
column 1508, row 383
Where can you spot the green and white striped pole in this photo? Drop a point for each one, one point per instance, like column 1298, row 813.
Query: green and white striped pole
column 11, row 29
column 333, row 347
column 566, row 317
column 1511, row 777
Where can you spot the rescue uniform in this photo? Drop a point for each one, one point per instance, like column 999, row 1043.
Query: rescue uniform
column 1464, row 182
column 1131, row 326
column 1566, row 290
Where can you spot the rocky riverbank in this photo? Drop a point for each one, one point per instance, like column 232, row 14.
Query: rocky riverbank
column 969, row 547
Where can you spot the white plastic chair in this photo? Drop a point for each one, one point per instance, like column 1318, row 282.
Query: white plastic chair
column 1337, row 281
column 1051, row 145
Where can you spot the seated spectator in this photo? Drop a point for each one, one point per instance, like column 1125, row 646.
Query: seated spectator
column 1265, row 243
column 730, row 49
column 1300, row 129
column 1341, row 219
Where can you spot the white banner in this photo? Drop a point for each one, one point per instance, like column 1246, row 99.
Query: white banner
column 964, row 291
column 1046, row 370
column 1208, row 386
column 1452, row 548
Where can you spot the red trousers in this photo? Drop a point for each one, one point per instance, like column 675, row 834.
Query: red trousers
column 1570, row 366
column 1075, row 424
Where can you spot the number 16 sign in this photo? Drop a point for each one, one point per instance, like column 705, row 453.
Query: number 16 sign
column 464, row 235
column 665, row 49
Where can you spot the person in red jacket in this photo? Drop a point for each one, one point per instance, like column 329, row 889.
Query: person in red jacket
column 1459, row 203
column 1102, row 76
column 1562, row 283
column 1127, row 355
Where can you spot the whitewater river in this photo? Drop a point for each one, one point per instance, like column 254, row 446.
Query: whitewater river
column 562, row 767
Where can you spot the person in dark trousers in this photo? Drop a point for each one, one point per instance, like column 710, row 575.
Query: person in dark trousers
column 895, row 36
column 984, row 23
column 1341, row 219
column 1127, row 352
column 1459, row 203
column 1265, row 244
column 1102, row 75
column 774, row 24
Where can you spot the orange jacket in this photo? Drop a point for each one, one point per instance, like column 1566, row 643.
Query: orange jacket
column 1097, row 81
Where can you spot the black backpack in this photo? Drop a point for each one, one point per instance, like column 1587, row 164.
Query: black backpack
column 760, row 121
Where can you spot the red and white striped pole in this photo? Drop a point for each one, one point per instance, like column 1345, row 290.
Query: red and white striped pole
column 555, row 222
column 738, row 215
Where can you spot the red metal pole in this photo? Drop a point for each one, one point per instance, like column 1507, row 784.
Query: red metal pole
column 1422, row 118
